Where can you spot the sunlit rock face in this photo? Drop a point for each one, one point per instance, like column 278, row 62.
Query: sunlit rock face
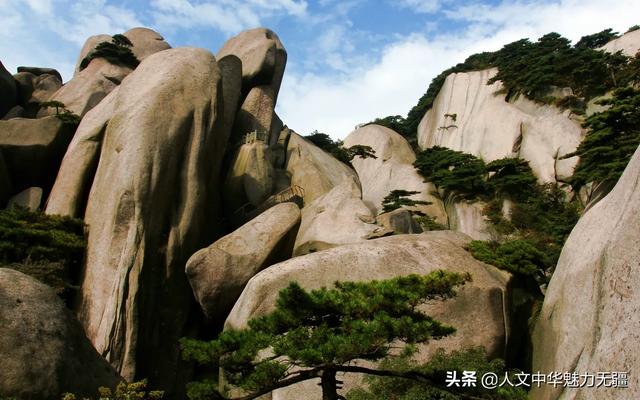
column 590, row 317
column 149, row 179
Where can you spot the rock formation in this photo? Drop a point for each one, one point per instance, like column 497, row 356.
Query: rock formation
column 9, row 98
column 33, row 150
column 629, row 44
column 470, row 116
column 391, row 170
column 485, row 299
column 44, row 350
column 89, row 86
column 589, row 320
column 151, row 204
column 219, row 272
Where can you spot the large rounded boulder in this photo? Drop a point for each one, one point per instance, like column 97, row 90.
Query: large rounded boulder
column 479, row 312
column 44, row 350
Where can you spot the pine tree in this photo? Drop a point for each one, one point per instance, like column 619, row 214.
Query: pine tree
column 317, row 334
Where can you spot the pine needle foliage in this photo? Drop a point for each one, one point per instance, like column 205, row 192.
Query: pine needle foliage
column 318, row 333
column 612, row 137
column 117, row 52
column 534, row 69
column 453, row 171
column 473, row 359
column 47, row 247
column 401, row 198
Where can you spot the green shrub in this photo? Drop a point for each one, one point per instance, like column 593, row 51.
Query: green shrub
column 516, row 256
column 612, row 137
column 453, row 171
column 47, row 247
column 124, row 391
column 511, row 177
column 337, row 150
column 118, row 52
column 474, row 359
column 400, row 198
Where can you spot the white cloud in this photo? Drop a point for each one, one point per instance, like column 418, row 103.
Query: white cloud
column 227, row 16
column 49, row 33
column 421, row 6
column 395, row 82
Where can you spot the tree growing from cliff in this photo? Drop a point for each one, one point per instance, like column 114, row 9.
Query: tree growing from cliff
column 319, row 333
column 400, row 198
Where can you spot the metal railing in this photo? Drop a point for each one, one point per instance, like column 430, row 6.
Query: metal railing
column 255, row 136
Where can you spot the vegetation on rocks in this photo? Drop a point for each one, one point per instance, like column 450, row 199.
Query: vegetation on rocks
column 337, row 150
column 400, row 198
column 612, row 137
column 49, row 248
column 64, row 115
column 529, row 240
column 453, row 171
column 474, row 359
column 534, row 69
column 118, row 52
column 320, row 332
column 124, row 391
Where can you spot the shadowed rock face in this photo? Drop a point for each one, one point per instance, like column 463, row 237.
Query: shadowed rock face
column 219, row 272
column 480, row 311
column 152, row 203
column 8, row 91
column 44, row 350
column 590, row 319
column 33, row 150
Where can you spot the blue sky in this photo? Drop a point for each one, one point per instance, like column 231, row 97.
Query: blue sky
column 349, row 61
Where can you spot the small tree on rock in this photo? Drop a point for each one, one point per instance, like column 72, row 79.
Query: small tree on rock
column 400, row 198
column 317, row 334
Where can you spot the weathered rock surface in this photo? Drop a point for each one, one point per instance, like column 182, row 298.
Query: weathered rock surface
column 30, row 198
column 470, row 116
column 145, row 42
column 263, row 58
column 338, row 217
column 231, row 69
column 391, row 170
column 151, row 205
column 219, row 272
column 89, row 86
column 251, row 176
column 256, row 112
column 34, row 89
column 33, row 150
column 314, row 170
column 90, row 44
column 467, row 217
column 590, row 316
column 71, row 189
column 8, row 91
column 15, row 112
column 37, row 71
column 479, row 311
column 398, row 221
column 629, row 44
column 44, row 350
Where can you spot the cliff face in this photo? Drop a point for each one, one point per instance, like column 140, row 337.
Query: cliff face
column 629, row 44
column 470, row 116
column 589, row 320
